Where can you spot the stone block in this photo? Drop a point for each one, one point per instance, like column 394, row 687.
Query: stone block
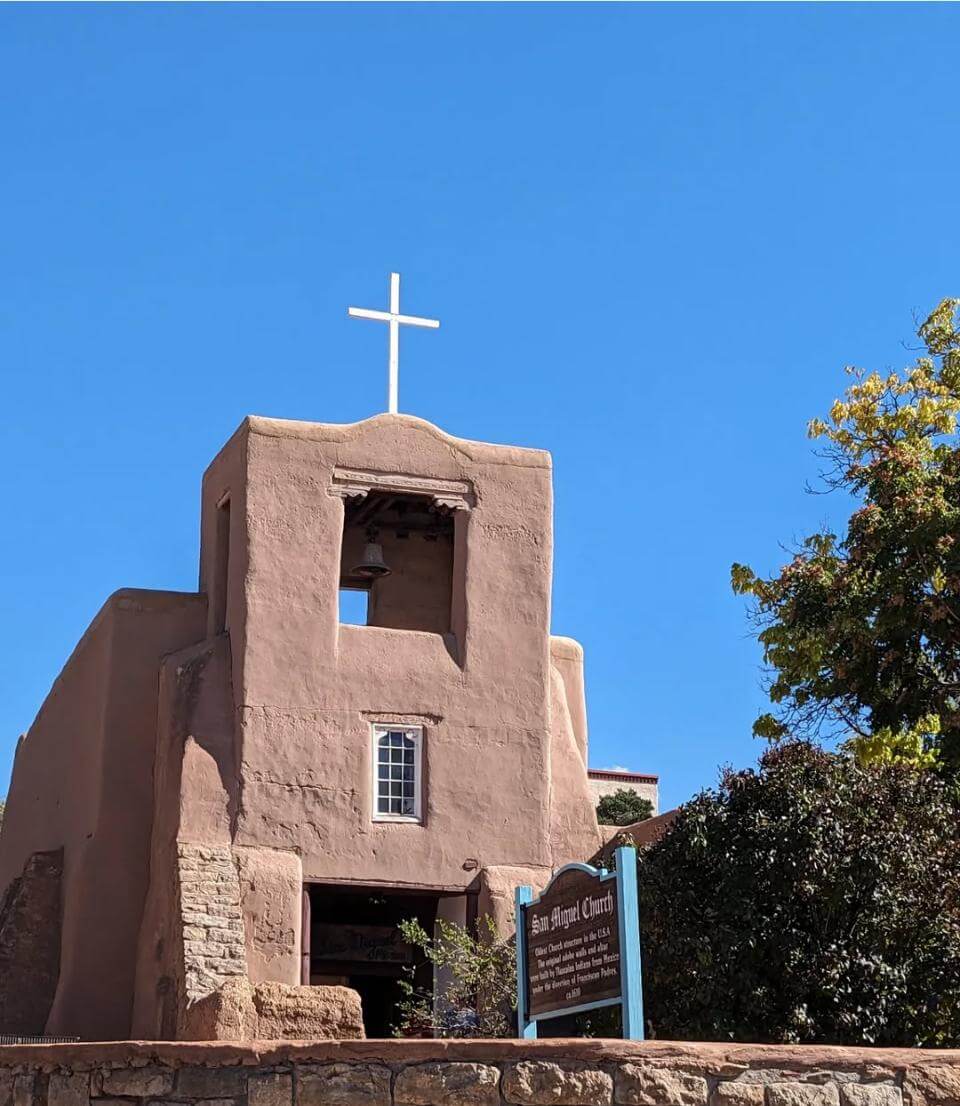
column 738, row 1094
column 936, row 1085
column 201, row 919
column 68, row 1090
column 288, row 1013
column 23, row 1089
column 226, row 1014
column 542, row 1083
column 146, row 1082
column 647, row 1085
column 6, row 1088
column 830, row 1077
column 270, row 1088
column 802, row 1094
column 343, row 1085
column 180, row 1102
column 870, row 1094
column 766, row 1076
column 453, row 1084
column 200, row 1082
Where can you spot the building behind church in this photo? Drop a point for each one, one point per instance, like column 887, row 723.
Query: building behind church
column 234, row 783
column 608, row 781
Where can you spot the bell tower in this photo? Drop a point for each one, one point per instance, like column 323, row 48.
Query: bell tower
column 419, row 756
column 451, row 542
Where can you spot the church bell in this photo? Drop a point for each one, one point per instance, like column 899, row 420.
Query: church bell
column 372, row 565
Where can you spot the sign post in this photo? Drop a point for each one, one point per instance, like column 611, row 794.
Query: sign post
column 578, row 946
column 523, row 896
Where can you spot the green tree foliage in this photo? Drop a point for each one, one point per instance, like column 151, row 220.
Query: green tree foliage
column 862, row 632
column 814, row 899
column 480, row 994
column 623, row 808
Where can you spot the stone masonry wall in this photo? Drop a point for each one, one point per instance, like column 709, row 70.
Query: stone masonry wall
column 213, row 941
column 473, row 1073
column 30, row 924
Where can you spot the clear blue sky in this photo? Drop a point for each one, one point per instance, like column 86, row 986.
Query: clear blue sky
column 654, row 236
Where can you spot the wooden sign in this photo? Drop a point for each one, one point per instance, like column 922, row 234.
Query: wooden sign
column 573, row 944
column 578, row 945
column 369, row 944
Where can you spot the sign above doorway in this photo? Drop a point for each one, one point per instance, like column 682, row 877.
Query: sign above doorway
column 364, row 944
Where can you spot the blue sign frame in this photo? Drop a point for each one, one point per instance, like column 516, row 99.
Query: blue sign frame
column 631, row 989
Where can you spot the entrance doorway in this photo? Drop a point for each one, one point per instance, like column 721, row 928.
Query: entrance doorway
column 354, row 941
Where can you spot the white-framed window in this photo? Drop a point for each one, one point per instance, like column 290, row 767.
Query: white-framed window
column 397, row 772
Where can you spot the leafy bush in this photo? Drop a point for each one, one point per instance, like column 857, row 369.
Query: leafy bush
column 623, row 808
column 810, row 900
column 480, row 994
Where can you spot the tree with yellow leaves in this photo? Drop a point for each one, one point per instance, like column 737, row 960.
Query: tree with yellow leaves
column 861, row 633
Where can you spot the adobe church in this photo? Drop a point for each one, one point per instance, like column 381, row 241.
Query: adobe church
column 234, row 782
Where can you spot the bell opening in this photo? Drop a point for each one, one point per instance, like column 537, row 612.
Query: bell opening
column 399, row 549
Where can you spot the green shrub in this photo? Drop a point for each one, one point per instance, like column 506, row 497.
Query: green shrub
column 480, row 995
column 810, row 900
column 623, row 808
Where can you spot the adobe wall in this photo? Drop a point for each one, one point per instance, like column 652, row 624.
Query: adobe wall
column 475, row 1073
column 566, row 656
column 82, row 781
column 500, row 733
column 195, row 792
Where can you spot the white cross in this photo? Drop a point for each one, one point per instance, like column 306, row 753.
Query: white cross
column 395, row 319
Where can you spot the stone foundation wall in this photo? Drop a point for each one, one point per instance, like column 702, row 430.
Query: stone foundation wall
column 473, row 1073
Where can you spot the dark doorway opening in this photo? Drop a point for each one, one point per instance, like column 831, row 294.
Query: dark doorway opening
column 354, row 941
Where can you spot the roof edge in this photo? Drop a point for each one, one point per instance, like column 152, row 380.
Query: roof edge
column 486, row 452
column 613, row 774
